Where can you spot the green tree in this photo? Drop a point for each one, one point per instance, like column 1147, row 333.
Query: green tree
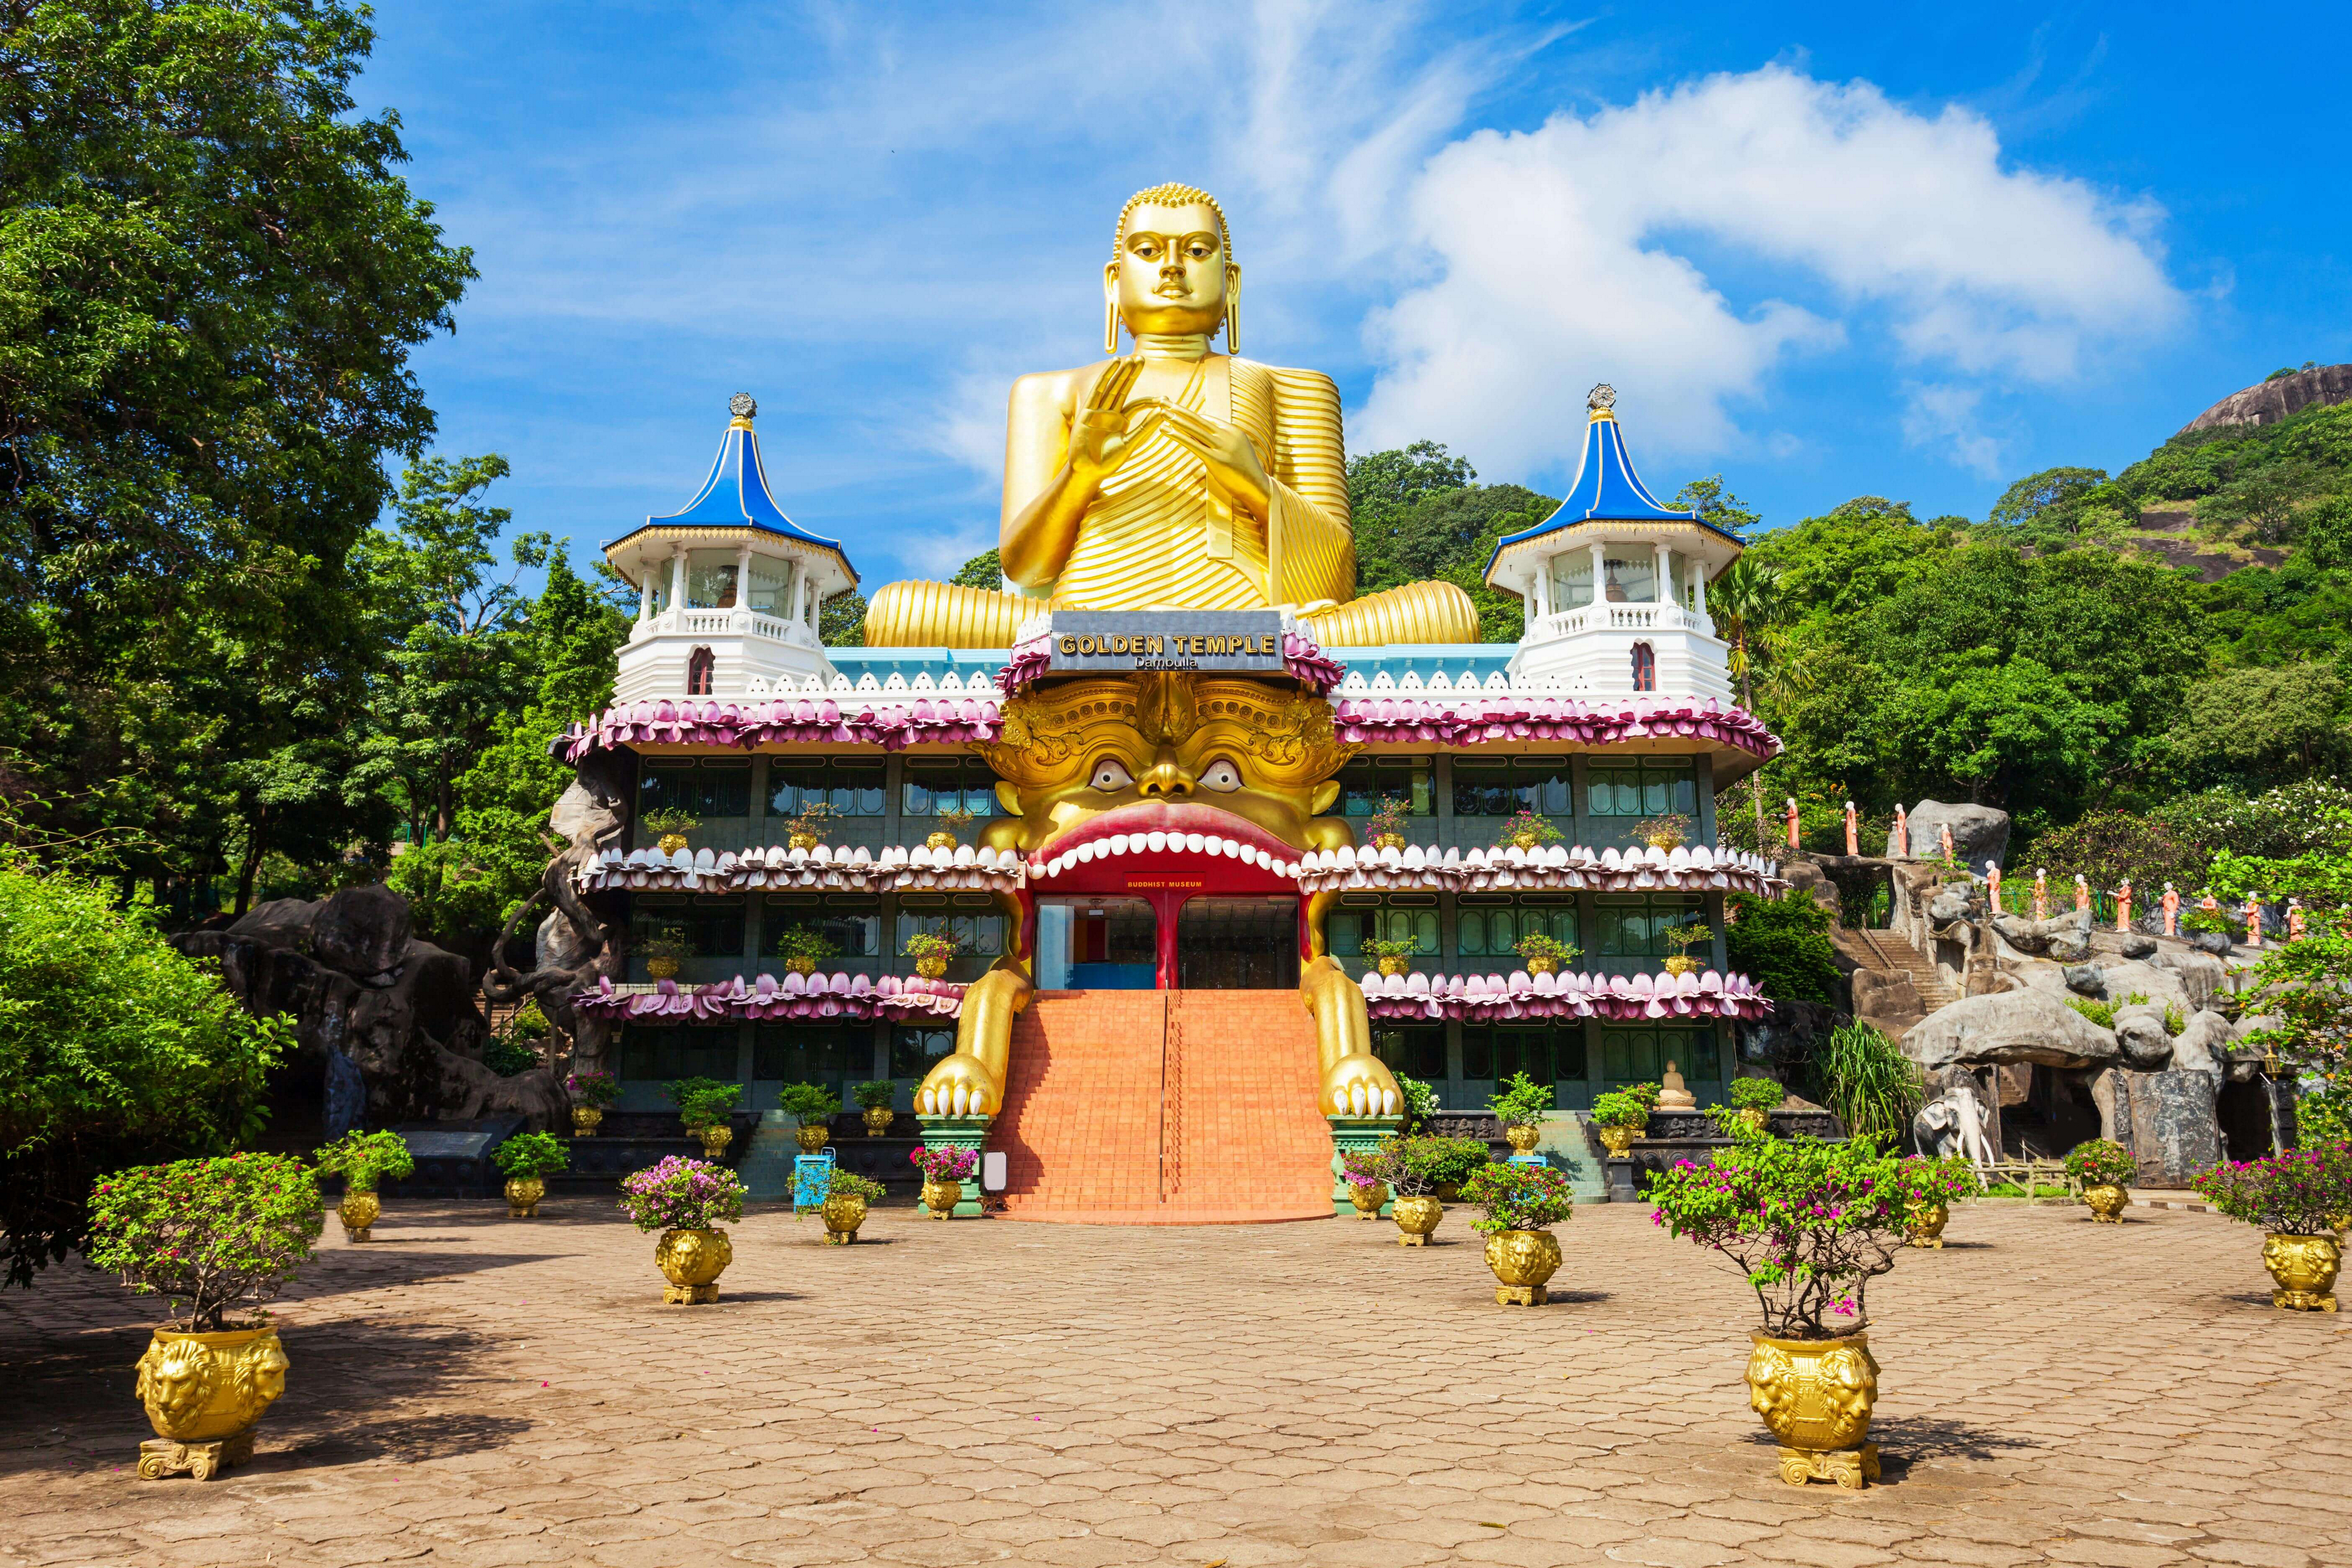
column 2260, row 727
column 1718, row 506
column 1744, row 599
column 1783, row 945
column 2031, row 496
column 985, row 570
column 841, row 620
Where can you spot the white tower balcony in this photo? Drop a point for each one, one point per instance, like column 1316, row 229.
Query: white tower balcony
column 730, row 590
column 1614, row 584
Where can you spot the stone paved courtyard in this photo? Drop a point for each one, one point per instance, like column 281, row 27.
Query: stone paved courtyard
column 469, row 1390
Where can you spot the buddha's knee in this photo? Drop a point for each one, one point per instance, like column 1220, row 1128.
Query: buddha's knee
column 944, row 615
column 1416, row 613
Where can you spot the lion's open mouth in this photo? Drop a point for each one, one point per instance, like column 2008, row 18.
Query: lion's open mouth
column 1158, row 827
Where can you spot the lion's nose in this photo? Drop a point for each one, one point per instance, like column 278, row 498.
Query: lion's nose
column 1169, row 779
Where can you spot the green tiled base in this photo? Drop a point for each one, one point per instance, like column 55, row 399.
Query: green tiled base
column 959, row 1133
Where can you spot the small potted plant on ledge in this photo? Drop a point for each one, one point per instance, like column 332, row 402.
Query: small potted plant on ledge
column 1518, row 1204
column 590, row 1093
column 2299, row 1199
column 846, row 1193
column 669, row 827
column 1682, row 939
column 668, row 953
column 1809, row 1224
column 1366, row 1171
column 812, row 1106
column 1452, row 1162
column 363, row 1160
column 803, row 948
column 874, row 1098
column 805, row 828
column 1385, row 829
column 945, row 1169
column 1753, row 1101
column 528, row 1159
column 1522, row 1108
column 1930, row 1187
column 1618, row 1119
column 931, row 953
column 950, row 824
column 1527, row 829
column 685, row 1200
column 1389, row 955
column 2102, row 1170
column 1543, row 954
column 703, row 1104
column 1670, row 831
column 210, row 1236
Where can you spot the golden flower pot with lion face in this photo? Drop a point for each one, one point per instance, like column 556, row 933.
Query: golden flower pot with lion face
column 358, row 1211
column 1926, row 1224
column 1523, row 1140
column 202, row 1388
column 1415, row 1218
column 2106, row 1203
column 843, row 1215
column 585, row 1120
column 715, row 1138
column 811, row 1136
column 692, row 1262
column 1815, row 1396
column 2303, row 1271
column 877, row 1120
column 941, row 1198
column 1522, row 1261
column 523, row 1193
column 1368, row 1199
column 1617, row 1141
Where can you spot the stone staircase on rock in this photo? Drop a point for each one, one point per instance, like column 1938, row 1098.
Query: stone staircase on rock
column 1164, row 1108
column 1895, row 984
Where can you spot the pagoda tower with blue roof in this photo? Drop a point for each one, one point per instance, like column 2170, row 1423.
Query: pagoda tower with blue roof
column 728, row 588
column 1614, row 583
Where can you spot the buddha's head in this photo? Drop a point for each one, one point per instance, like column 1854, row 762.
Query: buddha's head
column 1171, row 270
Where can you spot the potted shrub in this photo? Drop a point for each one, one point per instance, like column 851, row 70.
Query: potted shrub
column 212, row 1238
column 1755, row 1098
column 1365, row 1172
column 945, row 1170
column 362, row 1160
column 703, row 1104
column 846, row 1193
column 1930, row 1187
column 812, row 1106
column 666, row 953
column 804, row 830
column 1451, row 1162
column 1619, row 1118
column 2299, row 1199
column 1420, row 1169
column 1522, row 1108
column 874, row 1096
column 590, row 1093
column 685, row 1200
column 1645, row 1095
column 1385, row 829
column 931, row 953
column 2102, row 1169
column 803, row 948
column 1391, row 955
column 1670, row 831
column 669, row 827
column 1527, row 829
column 1810, row 1224
column 1682, row 939
column 950, row 824
column 528, row 1159
column 1517, row 1205
column 1542, row 954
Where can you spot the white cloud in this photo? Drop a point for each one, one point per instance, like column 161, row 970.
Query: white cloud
column 1563, row 256
column 1944, row 418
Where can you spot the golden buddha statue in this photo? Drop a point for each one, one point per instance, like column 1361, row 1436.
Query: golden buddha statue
column 1173, row 478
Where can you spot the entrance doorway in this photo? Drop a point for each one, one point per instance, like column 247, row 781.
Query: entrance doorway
column 1237, row 945
column 1104, row 943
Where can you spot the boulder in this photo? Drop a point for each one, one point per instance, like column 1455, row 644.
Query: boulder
column 362, row 932
column 2176, row 1132
column 2137, row 947
column 1955, row 903
column 2085, row 980
column 2199, row 973
column 2030, row 936
column 2212, row 941
column 1888, row 1002
column 2024, row 1025
column 1979, row 833
column 2204, row 1045
column 2140, row 1034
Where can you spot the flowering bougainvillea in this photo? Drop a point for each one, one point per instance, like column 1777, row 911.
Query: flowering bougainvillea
column 2102, row 1163
column 2304, row 1192
column 1518, row 1197
column 206, row 1234
column 944, row 1164
column 596, row 1088
column 1810, row 1224
column 682, row 1195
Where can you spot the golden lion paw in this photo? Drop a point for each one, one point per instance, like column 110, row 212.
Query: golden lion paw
column 960, row 1085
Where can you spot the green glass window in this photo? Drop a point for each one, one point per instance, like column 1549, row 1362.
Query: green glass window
column 663, row 1053
column 826, row 1055
column 1634, row 927
column 1417, row 1052
column 718, row 786
column 1501, row 787
column 1348, row 928
column 1640, row 1054
column 1547, row 1053
column 1493, row 930
column 713, row 927
column 936, row 785
column 978, row 933
column 913, row 1050
column 852, row 787
column 1366, row 782
column 1642, row 788
column 855, row 931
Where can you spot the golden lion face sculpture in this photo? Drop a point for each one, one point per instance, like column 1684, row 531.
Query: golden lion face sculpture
column 1171, row 752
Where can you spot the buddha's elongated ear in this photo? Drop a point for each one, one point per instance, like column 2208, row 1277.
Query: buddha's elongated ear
column 1233, row 307
column 1111, row 308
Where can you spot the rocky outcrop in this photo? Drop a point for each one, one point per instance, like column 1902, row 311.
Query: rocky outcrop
column 2269, row 402
column 2065, row 939
column 2176, row 1131
column 387, row 1022
column 1979, row 833
column 2140, row 1037
column 1888, row 1002
column 2024, row 1025
column 573, row 950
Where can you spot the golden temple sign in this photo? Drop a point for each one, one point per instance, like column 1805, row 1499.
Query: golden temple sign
column 1236, row 642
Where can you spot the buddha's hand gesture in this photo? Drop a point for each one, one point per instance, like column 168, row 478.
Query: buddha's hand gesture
column 1103, row 431
column 1235, row 472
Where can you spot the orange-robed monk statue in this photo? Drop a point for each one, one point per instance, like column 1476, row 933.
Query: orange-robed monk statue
column 1174, row 476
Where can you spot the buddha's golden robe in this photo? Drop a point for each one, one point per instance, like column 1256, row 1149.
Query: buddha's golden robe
column 1157, row 537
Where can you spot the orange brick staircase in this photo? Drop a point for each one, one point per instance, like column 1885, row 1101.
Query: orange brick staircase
column 1164, row 1108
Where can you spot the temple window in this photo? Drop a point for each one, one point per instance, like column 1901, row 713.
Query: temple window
column 831, row 1055
column 855, row 787
column 701, row 672
column 936, row 785
column 662, row 1053
column 1414, row 1050
column 1486, row 933
column 1571, row 580
column 1634, row 789
column 710, row 579
column 1645, row 668
column 914, row 1051
column 1498, row 787
column 1640, row 1056
column 978, row 932
column 1629, row 934
column 711, row 928
column 851, row 922
column 1396, row 917
column 1631, row 579
column 718, row 786
column 767, row 593
column 1547, row 1053
column 1364, row 783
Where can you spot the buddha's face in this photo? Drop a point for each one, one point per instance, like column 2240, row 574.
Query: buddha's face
column 1170, row 275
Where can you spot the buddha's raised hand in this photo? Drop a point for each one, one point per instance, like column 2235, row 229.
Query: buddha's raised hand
column 1231, row 457
column 1105, row 428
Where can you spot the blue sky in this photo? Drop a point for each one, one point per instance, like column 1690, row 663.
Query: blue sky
column 1914, row 251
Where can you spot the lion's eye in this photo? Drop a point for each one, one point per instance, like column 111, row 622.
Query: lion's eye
column 1221, row 774
column 1110, row 773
